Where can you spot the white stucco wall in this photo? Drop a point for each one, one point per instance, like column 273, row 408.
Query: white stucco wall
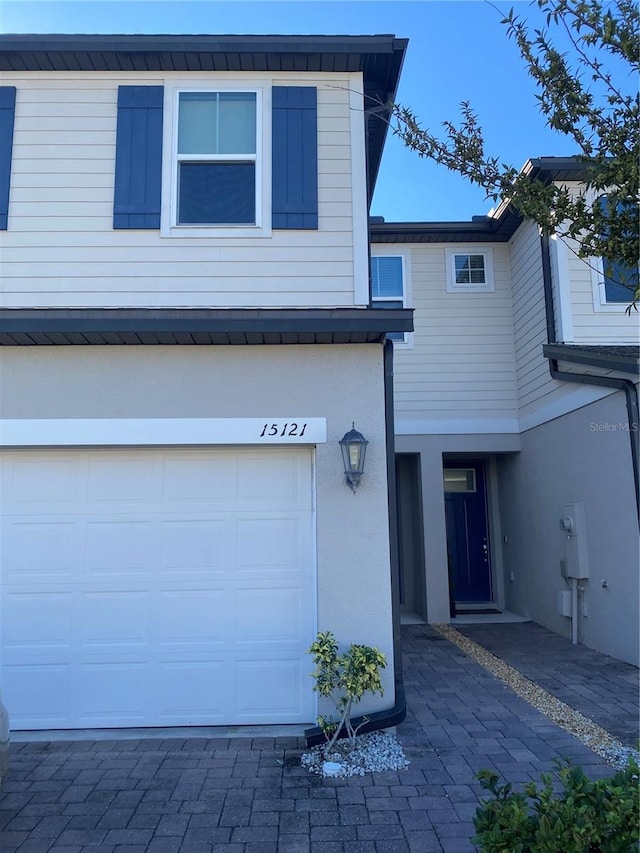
column 582, row 457
column 339, row 383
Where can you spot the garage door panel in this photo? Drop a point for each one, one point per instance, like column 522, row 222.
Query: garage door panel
column 47, row 482
column 194, row 618
column 119, row 547
column 197, row 476
column 270, row 543
column 110, row 694
column 41, row 695
column 134, row 481
column 276, row 478
column 42, row 551
column 271, row 690
column 270, row 617
column 112, row 622
column 154, row 587
column 196, row 545
column 194, row 692
column 36, row 623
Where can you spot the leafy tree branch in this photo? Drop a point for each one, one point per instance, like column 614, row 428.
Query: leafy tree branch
column 594, row 104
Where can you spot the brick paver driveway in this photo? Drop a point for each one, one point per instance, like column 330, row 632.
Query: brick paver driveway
column 240, row 795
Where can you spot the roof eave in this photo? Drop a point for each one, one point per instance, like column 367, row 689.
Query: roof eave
column 209, row 326
column 573, row 354
column 378, row 57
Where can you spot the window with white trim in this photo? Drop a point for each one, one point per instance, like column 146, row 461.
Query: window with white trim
column 616, row 281
column 216, row 158
column 388, row 286
column 469, row 270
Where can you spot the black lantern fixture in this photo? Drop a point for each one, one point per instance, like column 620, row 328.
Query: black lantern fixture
column 354, row 448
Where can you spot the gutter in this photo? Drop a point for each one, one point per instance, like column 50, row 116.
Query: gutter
column 626, row 385
column 394, row 715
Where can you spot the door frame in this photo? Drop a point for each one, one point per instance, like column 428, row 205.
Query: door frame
column 494, row 530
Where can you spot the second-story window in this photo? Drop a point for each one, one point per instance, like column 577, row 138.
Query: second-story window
column 387, row 286
column 618, row 281
column 217, row 150
column 469, row 270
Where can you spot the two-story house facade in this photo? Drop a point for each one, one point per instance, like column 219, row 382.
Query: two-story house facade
column 195, row 309
column 516, row 420
column 187, row 334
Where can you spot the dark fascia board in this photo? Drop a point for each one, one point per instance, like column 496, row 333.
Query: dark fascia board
column 498, row 227
column 620, row 359
column 83, row 44
column 484, row 230
column 71, row 326
column 556, row 169
column 378, row 57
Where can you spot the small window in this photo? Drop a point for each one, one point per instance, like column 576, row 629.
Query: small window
column 387, row 287
column 469, row 270
column 619, row 281
column 459, row 480
column 216, row 158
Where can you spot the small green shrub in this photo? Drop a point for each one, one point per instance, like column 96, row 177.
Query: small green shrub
column 344, row 679
column 585, row 817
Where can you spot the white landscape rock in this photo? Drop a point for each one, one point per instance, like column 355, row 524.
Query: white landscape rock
column 376, row 751
column 332, row 768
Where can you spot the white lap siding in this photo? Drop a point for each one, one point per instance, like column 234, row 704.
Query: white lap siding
column 61, row 249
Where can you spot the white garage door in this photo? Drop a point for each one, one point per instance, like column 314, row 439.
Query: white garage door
column 157, row 587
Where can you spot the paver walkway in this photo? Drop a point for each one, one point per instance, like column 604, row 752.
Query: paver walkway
column 604, row 689
column 251, row 796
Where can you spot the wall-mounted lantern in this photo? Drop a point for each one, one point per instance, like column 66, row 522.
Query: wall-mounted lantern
column 354, row 448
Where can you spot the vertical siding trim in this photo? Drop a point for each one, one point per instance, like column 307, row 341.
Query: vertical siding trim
column 359, row 203
column 560, row 267
column 295, row 157
column 138, row 169
column 7, row 116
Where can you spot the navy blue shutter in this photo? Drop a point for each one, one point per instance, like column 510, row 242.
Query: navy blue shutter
column 7, row 113
column 138, row 180
column 295, row 157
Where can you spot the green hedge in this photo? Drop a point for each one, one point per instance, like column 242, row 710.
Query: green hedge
column 586, row 816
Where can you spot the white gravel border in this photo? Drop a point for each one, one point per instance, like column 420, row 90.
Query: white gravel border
column 595, row 737
column 373, row 752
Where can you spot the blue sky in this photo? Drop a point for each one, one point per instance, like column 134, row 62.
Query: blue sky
column 458, row 50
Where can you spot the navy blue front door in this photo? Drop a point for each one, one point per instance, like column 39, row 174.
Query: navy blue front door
column 467, row 532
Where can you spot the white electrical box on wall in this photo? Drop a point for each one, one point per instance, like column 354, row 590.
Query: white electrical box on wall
column 575, row 530
column 564, row 602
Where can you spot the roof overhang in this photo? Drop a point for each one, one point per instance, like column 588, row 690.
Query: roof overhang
column 378, row 57
column 497, row 227
column 199, row 326
column 563, row 169
column 622, row 359
column 482, row 229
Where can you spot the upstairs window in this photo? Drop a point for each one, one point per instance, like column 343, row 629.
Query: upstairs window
column 469, row 270
column 617, row 280
column 7, row 114
column 214, row 180
column 387, row 287
column 217, row 155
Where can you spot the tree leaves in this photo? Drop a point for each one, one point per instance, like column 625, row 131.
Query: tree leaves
column 578, row 95
column 344, row 679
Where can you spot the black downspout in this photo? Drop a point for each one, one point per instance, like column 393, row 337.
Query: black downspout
column 400, row 708
column 626, row 385
column 395, row 715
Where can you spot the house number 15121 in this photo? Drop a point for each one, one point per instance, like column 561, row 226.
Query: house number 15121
column 283, row 429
